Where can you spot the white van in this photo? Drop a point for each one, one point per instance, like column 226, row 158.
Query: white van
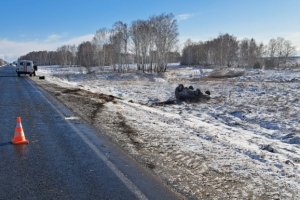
column 25, row 67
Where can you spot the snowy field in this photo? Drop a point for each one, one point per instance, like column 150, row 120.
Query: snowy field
column 249, row 128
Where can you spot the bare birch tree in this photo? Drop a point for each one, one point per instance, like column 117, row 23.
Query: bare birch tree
column 243, row 52
column 278, row 51
column 101, row 39
column 85, row 55
column 187, row 53
column 142, row 37
column 122, row 29
column 136, row 41
column 288, row 50
column 116, row 42
column 166, row 38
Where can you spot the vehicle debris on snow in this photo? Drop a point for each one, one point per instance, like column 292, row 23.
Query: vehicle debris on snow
column 188, row 93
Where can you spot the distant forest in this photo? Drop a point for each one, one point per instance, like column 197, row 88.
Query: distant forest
column 226, row 50
column 153, row 43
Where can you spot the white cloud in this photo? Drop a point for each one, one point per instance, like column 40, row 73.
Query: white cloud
column 80, row 39
column 183, row 17
column 12, row 50
column 53, row 38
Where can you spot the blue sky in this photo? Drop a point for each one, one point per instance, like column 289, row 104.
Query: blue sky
column 33, row 25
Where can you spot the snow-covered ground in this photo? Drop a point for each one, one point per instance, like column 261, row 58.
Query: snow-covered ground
column 249, row 128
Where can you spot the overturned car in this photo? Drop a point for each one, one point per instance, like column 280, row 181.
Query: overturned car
column 188, row 93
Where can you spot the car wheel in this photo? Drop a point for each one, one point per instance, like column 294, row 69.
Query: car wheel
column 191, row 88
column 197, row 92
column 180, row 87
column 207, row 92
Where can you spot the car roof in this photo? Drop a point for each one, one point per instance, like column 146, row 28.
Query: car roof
column 25, row 60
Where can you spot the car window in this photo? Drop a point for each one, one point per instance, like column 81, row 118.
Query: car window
column 28, row 64
column 21, row 63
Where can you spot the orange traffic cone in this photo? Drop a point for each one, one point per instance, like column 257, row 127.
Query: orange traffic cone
column 19, row 137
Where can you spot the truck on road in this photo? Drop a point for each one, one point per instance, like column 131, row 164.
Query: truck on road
column 25, row 67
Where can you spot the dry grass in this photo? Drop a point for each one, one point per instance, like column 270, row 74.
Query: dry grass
column 77, row 91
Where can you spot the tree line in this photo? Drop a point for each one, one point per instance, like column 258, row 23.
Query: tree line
column 226, row 50
column 151, row 44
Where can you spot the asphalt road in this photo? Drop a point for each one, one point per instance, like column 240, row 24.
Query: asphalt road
column 65, row 159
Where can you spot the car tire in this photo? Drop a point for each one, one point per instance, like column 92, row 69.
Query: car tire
column 180, row 87
column 197, row 92
column 191, row 88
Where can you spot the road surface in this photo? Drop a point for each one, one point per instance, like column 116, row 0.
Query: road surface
column 65, row 159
